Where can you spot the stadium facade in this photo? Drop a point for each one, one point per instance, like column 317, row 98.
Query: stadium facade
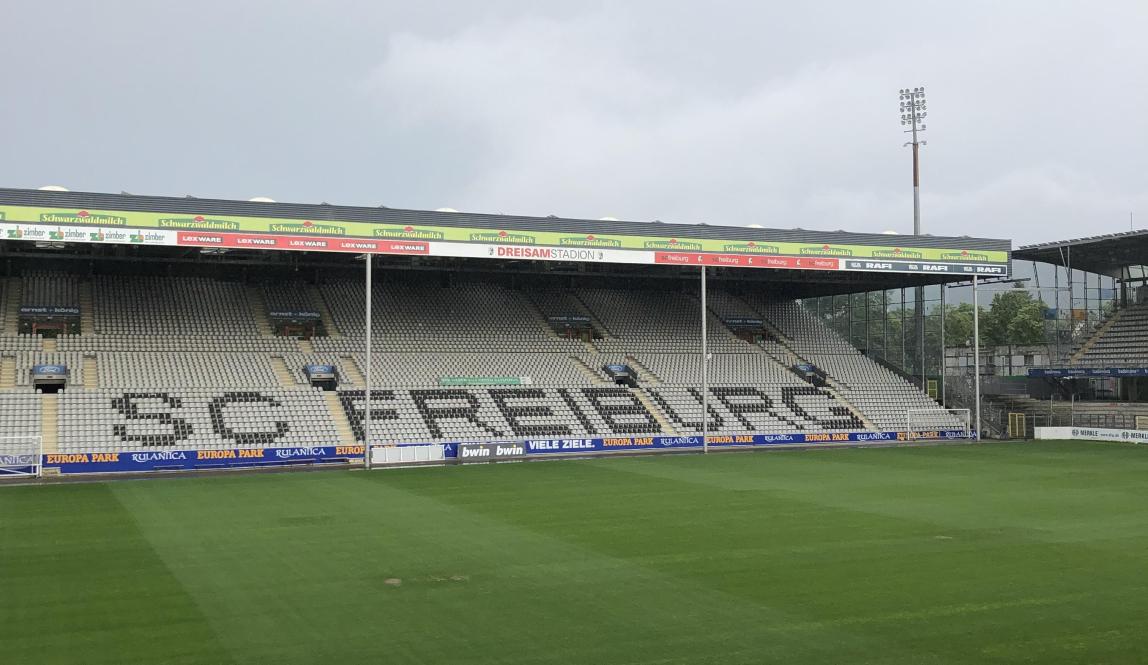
column 141, row 333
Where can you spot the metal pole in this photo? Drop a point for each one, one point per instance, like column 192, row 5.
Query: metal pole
column 977, row 355
column 1056, row 310
column 370, row 334
column 885, row 324
column 705, row 373
column 913, row 120
column 919, row 292
column 944, row 350
column 868, row 346
column 904, row 363
column 1071, row 299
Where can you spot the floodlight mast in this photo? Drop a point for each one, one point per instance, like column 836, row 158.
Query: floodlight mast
column 913, row 112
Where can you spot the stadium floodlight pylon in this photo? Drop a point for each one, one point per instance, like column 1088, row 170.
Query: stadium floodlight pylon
column 21, row 456
column 938, row 423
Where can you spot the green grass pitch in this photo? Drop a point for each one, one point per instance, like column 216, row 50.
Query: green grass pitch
column 997, row 553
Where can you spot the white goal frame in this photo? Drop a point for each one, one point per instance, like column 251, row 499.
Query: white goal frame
column 21, row 456
column 920, row 421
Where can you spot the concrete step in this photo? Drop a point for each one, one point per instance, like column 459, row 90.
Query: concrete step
column 852, row 408
column 48, row 344
column 351, row 372
column 14, row 293
column 7, row 372
column 50, row 422
column 645, row 375
column 87, row 311
column 316, row 297
column 339, row 417
column 593, row 376
column 594, row 320
column 258, row 307
column 283, row 373
column 1091, row 341
column 91, row 372
column 664, row 422
column 306, row 346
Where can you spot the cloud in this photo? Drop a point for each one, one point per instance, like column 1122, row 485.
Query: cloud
column 572, row 117
column 727, row 112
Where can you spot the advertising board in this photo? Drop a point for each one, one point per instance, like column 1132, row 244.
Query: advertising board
column 253, row 232
column 1092, row 434
column 462, row 452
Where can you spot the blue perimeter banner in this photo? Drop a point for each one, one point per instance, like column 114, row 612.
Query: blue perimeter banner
column 190, row 460
column 603, row 445
column 1089, row 371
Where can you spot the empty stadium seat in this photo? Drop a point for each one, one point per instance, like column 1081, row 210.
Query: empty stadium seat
column 180, row 362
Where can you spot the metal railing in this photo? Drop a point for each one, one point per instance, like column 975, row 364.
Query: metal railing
column 1022, row 425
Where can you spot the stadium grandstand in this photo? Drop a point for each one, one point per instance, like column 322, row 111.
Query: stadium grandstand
column 142, row 333
column 1094, row 365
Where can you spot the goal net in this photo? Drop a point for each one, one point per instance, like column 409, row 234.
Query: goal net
column 939, row 424
column 21, row 456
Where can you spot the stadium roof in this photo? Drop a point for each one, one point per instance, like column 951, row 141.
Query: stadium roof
column 1105, row 255
column 325, row 212
column 42, row 225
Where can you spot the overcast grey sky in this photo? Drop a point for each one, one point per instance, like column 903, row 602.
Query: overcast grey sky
column 780, row 114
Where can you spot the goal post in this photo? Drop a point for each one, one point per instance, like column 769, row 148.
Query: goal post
column 21, row 456
column 939, row 424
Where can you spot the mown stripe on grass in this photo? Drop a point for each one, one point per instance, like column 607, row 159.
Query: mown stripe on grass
column 80, row 584
column 522, row 596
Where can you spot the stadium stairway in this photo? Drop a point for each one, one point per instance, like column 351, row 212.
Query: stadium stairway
column 595, row 377
column 852, row 408
column 7, row 373
column 91, row 372
column 49, row 345
column 594, row 320
column 339, row 418
column 12, row 308
column 306, row 346
column 49, row 422
column 536, row 314
column 645, row 375
column 663, row 422
column 1094, row 337
column 283, row 373
column 350, row 370
column 87, row 309
column 258, row 307
column 316, row 298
